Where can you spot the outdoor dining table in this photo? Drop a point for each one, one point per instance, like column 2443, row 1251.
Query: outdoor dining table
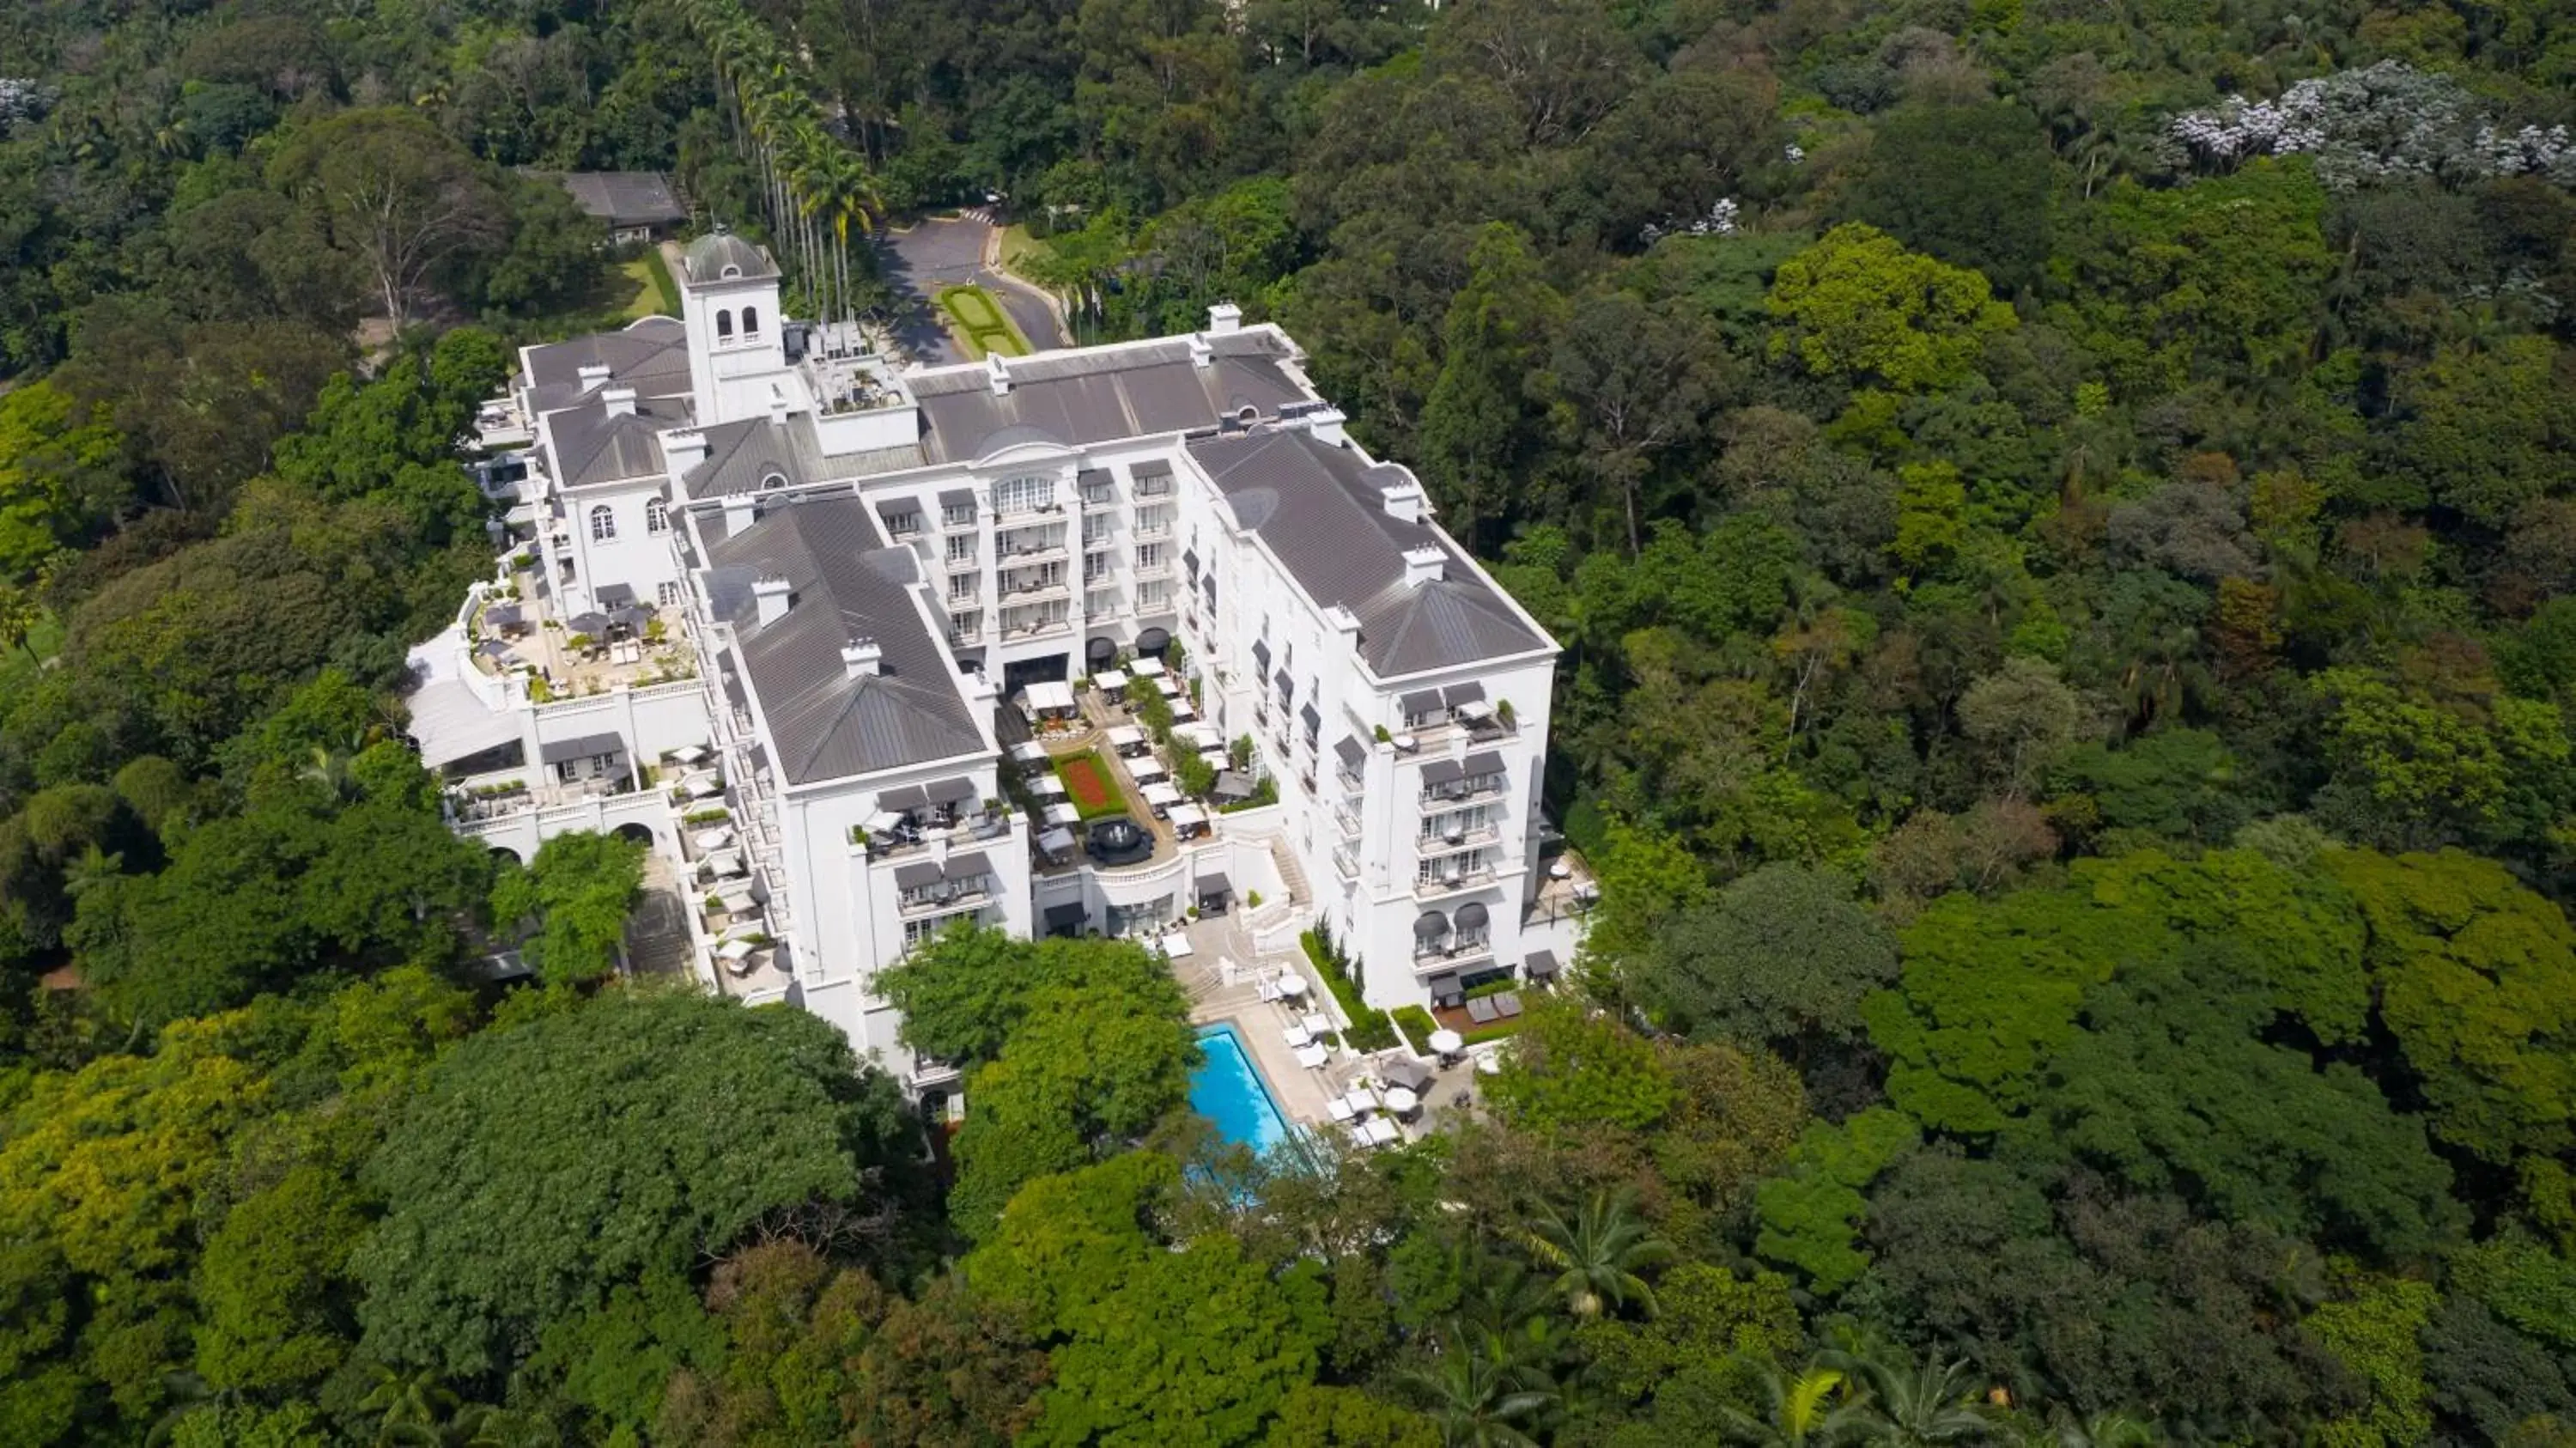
column 1361, row 1099
column 1316, row 1024
column 1447, row 1042
column 1292, row 985
column 715, row 839
column 1400, row 1100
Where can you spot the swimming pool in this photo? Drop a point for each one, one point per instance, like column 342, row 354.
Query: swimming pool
column 1228, row 1090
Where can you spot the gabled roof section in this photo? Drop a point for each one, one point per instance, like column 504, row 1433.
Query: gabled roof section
column 743, row 456
column 1317, row 507
column 593, row 445
column 721, row 256
column 1102, row 394
column 652, row 357
column 843, row 583
column 624, row 198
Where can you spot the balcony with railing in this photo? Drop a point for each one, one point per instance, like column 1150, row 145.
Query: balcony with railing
column 1039, row 582
column 1154, row 485
column 1455, row 948
column 1345, row 862
column 1449, row 874
column 1028, row 545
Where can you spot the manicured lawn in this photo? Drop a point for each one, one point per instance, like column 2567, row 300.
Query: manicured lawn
column 655, row 295
column 19, row 664
column 977, row 321
column 1088, row 784
column 1018, row 247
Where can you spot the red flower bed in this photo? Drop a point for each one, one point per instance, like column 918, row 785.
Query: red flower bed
column 1088, row 784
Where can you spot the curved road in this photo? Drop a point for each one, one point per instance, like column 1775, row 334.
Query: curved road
column 931, row 254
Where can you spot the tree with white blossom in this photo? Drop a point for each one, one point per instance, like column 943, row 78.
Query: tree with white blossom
column 2381, row 122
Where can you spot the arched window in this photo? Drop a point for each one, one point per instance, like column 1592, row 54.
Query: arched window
column 751, row 321
column 772, row 481
column 657, row 516
column 724, row 324
column 603, row 525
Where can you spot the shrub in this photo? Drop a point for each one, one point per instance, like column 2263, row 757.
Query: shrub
column 1417, row 1025
column 1370, row 1029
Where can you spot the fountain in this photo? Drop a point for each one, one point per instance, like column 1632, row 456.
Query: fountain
column 1119, row 841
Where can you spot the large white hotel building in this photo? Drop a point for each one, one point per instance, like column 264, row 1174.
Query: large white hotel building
column 786, row 608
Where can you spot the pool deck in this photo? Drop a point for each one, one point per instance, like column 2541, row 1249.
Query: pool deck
column 1302, row 1093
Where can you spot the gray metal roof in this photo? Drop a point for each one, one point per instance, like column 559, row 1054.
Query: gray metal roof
column 721, row 256
column 844, row 583
column 588, row 746
column 593, row 445
column 624, row 198
column 1318, row 508
column 743, row 456
column 651, row 356
column 1076, row 399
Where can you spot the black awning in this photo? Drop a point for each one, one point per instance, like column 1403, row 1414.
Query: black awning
column 1313, row 720
column 895, row 507
column 953, row 791
column 1486, row 763
column 588, row 746
column 1352, row 752
column 1155, row 468
column 613, row 595
column 1472, row 915
column 1420, row 703
column 1100, row 652
column 1442, row 771
column 1457, row 694
column 1287, row 685
column 589, row 625
column 957, row 498
column 1430, row 925
column 1059, row 917
column 1153, row 641
column 1215, row 887
column 1260, row 657
column 910, row 796
column 915, row 875
column 1404, row 1071
column 1541, row 965
column 1088, row 476
column 1190, row 561
column 501, row 615
column 968, row 866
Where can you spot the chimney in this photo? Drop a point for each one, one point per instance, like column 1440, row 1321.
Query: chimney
column 997, row 374
column 1225, row 317
column 741, row 510
column 982, row 687
column 771, row 596
column 1201, row 354
column 1424, row 565
column 1402, row 496
column 593, row 376
column 683, row 450
column 777, row 408
column 862, row 656
column 620, row 401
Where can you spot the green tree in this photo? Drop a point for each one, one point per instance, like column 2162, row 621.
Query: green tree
column 1860, row 307
column 963, row 994
column 2486, row 428
column 574, row 898
column 1573, row 1068
column 1966, row 184
column 2375, row 1334
column 395, row 194
column 1782, row 957
column 1810, row 1214
column 544, row 1164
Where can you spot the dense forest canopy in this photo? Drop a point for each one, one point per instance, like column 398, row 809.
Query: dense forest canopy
column 2062, row 520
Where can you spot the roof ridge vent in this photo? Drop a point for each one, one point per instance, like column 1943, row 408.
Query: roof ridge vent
column 997, row 374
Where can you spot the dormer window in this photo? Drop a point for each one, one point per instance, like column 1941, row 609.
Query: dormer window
column 772, row 482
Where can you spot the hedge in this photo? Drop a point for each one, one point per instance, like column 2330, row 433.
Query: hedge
column 1370, row 1029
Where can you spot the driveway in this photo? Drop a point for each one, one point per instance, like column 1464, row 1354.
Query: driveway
column 931, row 254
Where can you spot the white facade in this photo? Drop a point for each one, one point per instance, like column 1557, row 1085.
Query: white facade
column 873, row 563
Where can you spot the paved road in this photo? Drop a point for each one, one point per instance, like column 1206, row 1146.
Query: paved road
column 929, row 255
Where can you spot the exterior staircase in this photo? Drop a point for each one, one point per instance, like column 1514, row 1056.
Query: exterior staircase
column 657, row 932
column 1289, row 873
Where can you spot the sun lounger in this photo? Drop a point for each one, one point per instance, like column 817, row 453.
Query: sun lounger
column 1269, row 990
column 1480, row 1009
column 1298, row 1037
column 1380, row 1132
column 1313, row 1057
column 1508, row 1004
column 1339, row 1110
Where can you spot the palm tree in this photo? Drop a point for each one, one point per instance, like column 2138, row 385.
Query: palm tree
column 1598, row 1253
column 1816, row 1407
column 1478, row 1402
column 1922, row 1405
column 410, row 1407
column 2103, row 1430
column 18, row 618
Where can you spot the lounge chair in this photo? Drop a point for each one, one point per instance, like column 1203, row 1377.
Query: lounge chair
column 1313, row 1057
column 1480, row 1009
column 1269, row 990
column 1339, row 1110
column 1298, row 1037
column 1380, row 1132
column 1508, row 1004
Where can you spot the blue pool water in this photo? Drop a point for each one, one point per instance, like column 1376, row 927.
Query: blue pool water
column 1229, row 1091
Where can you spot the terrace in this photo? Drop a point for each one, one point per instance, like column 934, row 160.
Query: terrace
column 625, row 641
column 1080, row 759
